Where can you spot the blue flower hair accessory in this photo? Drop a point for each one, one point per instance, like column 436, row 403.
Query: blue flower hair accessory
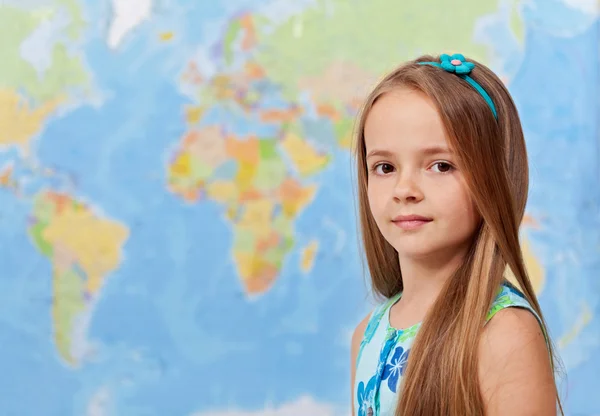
column 458, row 65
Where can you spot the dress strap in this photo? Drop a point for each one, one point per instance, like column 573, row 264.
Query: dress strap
column 374, row 321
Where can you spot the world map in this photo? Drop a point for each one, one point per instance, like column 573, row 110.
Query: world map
column 178, row 205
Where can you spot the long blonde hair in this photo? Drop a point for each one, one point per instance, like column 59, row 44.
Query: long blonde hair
column 442, row 374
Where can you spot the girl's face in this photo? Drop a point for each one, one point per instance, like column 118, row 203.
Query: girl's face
column 417, row 196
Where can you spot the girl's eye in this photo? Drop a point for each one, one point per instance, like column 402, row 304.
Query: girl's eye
column 442, row 167
column 383, row 168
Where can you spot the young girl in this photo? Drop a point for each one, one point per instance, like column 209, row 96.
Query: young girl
column 442, row 185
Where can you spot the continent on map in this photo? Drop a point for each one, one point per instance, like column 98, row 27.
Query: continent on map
column 257, row 189
column 83, row 248
column 323, row 40
column 19, row 121
column 44, row 67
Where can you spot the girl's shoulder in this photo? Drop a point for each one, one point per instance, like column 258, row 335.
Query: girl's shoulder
column 509, row 296
column 512, row 355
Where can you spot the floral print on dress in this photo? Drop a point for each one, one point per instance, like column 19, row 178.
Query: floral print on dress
column 395, row 368
column 365, row 396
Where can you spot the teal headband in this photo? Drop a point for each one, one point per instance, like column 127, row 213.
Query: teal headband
column 458, row 65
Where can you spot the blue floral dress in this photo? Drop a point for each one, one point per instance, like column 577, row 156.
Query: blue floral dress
column 384, row 353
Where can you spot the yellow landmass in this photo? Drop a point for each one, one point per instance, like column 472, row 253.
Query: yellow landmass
column 245, row 264
column 182, row 165
column 206, row 144
column 257, row 274
column 305, row 158
column 262, row 241
column 345, row 142
column 83, row 248
column 535, row 270
column 245, row 175
column 294, row 197
column 343, row 131
column 19, row 120
column 231, row 212
column 193, row 114
column 222, row 191
column 166, row 36
column 69, row 303
column 308, row 256
column 257, row 217
column 200, row 153
column 6, row 177
column 96, row 242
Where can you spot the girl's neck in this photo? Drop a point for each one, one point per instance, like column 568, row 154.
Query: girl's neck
column 424, row 278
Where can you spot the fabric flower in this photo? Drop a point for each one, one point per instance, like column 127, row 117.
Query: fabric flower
column 395, row 368
column 456, row 63
column 365, row 395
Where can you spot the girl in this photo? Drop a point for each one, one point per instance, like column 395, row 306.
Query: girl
column 443, row 182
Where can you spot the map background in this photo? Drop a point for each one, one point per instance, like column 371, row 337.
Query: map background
column 174, row 327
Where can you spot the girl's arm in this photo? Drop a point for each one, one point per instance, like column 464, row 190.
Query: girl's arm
column 514, row 366
column 356, row 340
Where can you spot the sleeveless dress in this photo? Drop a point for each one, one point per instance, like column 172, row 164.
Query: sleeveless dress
column 384, row 353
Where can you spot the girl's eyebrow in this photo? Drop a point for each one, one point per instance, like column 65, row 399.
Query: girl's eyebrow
column 379, row 152
column 433, row 150
column 436, row 150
